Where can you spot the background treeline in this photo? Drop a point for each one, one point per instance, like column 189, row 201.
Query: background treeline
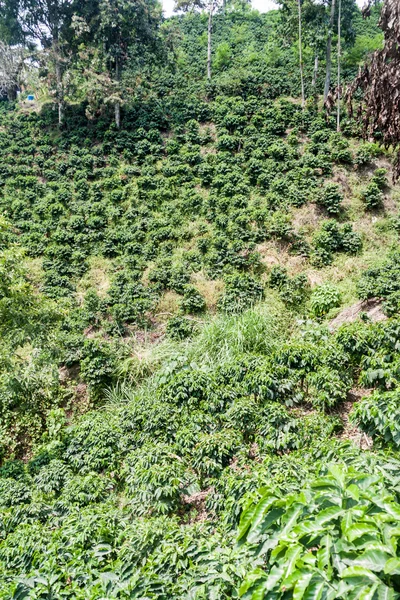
column 104, row 54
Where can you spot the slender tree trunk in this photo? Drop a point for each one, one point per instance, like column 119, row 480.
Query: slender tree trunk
column 117, row 104
column 59, row 82
column 60, row 95
column 303, row 97
column 315, row 72
column 329, row 52
column 210, row 17
column 339, row 52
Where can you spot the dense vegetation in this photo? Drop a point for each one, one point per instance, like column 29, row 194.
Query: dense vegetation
column 180, row 417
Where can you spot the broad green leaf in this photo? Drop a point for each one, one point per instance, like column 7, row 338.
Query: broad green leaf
column 292, row 518
column 359, row 529
column 353, row 491
column 338, row 473
column 291, row 557
column 315, row 589
column 301, row 586
column 274, row 576
column 328, row 514
column 251, row 579
column 374, row 560
column 390, row 507
column 245, row 521
column 386, row 593
column 262, row 525
column 358, row 572
column 392, row 566
column 368, row 592
column 324, row 554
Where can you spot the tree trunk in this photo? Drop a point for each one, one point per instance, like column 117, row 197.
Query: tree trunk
column 210, row 16
column 59, row 82
column 303, row 98
column 117, row 106
column 329, row 52
column 339, row 52
column 315, row 72
column 118, row 114
column 12, row 92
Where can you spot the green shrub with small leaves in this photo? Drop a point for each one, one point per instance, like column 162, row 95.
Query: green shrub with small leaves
column 330, row 198
column 372, row 196
column 180, row 328
column 241, row 292
column 379, row 416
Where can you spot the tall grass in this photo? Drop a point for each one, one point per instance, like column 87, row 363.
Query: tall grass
column 259, row 330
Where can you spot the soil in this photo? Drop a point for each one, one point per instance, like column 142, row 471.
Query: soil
column 350, row 431
column 371, row 308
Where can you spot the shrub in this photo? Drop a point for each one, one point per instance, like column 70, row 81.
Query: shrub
column 323, row 299
column 293, row 291
column 291, row 537
column 193, row 301
column 366, row 153
column 180, row 328
column 330, row 198
column 214, row 451
column 241, row 292
column 328, row 387
column 334, row 238
column 382, row 282
column 340, row 151
column 351, row 241
column 278, row 277
column 156, row 479
column 379, row 178
column 372, row 196
column 379, row 416
column 98, row 365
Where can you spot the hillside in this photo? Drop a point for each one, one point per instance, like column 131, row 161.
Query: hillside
column 199, row 333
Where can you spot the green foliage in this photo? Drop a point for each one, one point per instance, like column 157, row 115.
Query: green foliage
column 379, row 416
column 323, row 299
column 383, row 281
column 293, row 291
column 241, row 291
column 331, row 198
column 367, row 152
column 379, row 178
column 372, row 196
column 129, row 448
column 193, row 301
column 180, row 328
column 327, row 541
column 332, row 238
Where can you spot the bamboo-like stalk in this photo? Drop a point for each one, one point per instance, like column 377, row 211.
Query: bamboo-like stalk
column 339, row 51
column 303, row 98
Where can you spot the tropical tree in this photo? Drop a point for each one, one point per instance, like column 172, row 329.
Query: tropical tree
column 43, row 23
column 110, row 34
column 12, row 60
column 211, row 6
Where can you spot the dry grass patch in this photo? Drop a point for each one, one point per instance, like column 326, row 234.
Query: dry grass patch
column 210, row 289
column 307, row 218
column 168, row 306
column 34, row 267
column 97, row 277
